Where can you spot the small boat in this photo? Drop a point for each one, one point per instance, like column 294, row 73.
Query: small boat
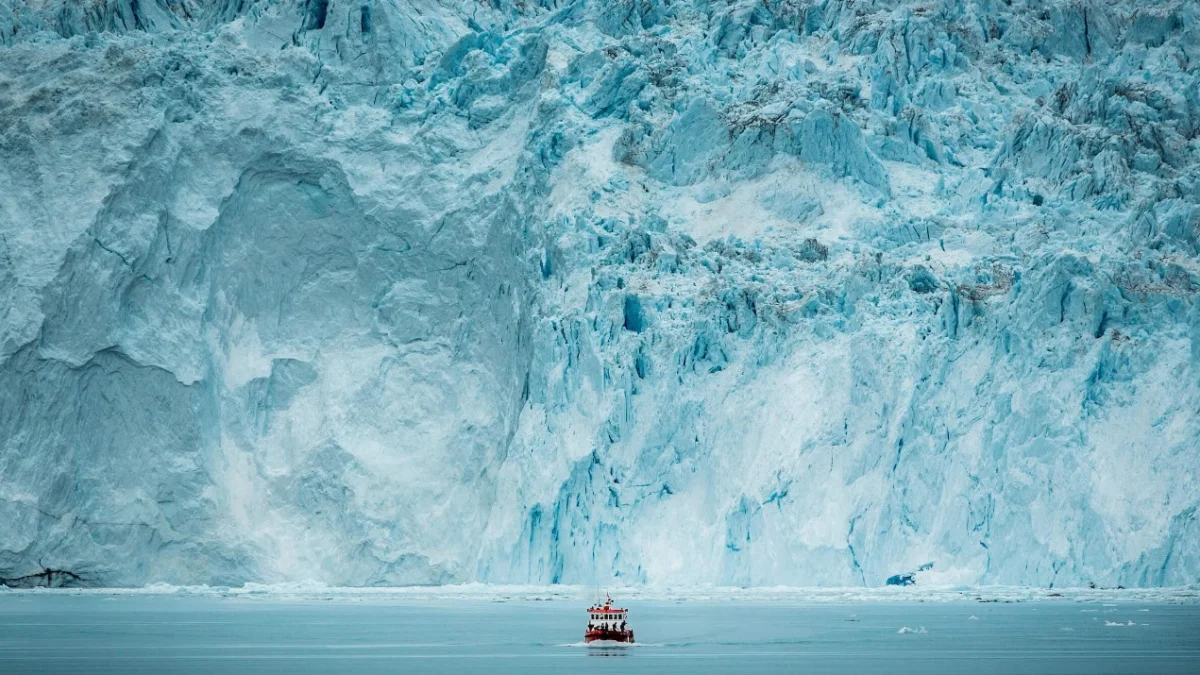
column 608, row 623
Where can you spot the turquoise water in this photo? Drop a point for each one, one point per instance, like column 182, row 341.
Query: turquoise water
column 139, row 634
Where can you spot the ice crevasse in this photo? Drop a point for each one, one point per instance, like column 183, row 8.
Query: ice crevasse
column 655, row 292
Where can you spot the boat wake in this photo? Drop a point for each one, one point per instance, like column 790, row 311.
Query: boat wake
column 609, row 644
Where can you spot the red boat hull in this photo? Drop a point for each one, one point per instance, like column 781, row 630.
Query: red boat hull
column 608, row 636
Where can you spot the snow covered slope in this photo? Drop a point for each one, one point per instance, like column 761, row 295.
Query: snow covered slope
column 752, row 292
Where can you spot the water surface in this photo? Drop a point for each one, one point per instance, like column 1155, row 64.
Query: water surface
column 165, row 634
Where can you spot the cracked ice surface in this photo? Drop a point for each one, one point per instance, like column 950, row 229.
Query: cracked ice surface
column 650, row 292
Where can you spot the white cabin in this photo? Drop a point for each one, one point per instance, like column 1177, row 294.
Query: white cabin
column 607, row 618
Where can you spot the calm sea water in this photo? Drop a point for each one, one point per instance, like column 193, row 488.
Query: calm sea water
column 163, row 635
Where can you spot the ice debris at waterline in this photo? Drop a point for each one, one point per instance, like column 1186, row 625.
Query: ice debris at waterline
column 744, row 292
column 572, row 594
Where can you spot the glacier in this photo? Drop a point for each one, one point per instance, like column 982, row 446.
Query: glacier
column 641, row 292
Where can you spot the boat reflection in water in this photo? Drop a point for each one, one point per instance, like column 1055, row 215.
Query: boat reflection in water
column 610, row 650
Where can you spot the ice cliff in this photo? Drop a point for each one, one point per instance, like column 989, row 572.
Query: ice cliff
column 749, row 292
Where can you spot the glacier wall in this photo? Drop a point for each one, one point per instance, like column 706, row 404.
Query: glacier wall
column 747, row 292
